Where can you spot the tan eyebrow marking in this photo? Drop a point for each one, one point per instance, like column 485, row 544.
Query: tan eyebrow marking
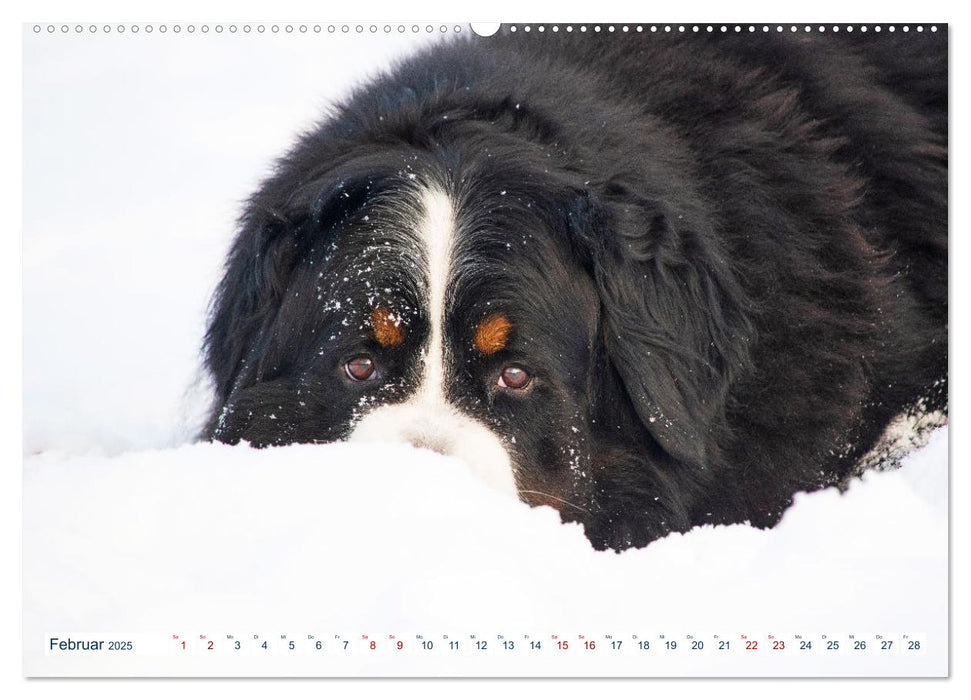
column 492, row 333
column 387, row 327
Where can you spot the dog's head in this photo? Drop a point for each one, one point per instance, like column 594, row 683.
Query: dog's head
column 568, row 334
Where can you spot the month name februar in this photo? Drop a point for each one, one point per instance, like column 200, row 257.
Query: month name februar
column 74, row 645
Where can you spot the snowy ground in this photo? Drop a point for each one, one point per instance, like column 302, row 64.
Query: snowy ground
column 354, row 539
column 130, row 527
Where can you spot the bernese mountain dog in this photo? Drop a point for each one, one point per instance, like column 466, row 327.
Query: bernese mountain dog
column 651, row 280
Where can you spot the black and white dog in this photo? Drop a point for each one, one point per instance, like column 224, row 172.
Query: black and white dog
column 652, row 281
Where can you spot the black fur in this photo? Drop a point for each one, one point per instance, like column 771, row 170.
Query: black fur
column 725, row 257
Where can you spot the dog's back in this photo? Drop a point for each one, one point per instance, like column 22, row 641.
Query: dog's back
column 823, row 158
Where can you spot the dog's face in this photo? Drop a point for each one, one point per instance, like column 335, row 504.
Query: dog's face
column 456, row 318
column 487, row 307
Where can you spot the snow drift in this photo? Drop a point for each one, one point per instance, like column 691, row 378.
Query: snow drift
column 354, row 538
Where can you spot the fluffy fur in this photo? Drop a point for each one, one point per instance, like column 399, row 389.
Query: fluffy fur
column 723, row 260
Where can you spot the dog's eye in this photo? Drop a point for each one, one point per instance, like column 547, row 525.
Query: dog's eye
column 513, row 377
column 360, row 368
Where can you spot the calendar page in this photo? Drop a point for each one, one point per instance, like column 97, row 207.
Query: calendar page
column 523, row 350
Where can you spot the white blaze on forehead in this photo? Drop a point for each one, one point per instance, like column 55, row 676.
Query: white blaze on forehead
column 427, row 419
column 437, row 231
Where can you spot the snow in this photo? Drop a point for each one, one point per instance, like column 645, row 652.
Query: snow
column 350, row 538
column 131, row 526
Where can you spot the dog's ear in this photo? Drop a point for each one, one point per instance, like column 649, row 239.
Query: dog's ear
column 274, row 232
column 674, row 319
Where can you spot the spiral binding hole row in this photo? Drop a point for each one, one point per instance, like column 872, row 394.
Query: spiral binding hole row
column 246, row 29
column 723, row 28
column 443, row 29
